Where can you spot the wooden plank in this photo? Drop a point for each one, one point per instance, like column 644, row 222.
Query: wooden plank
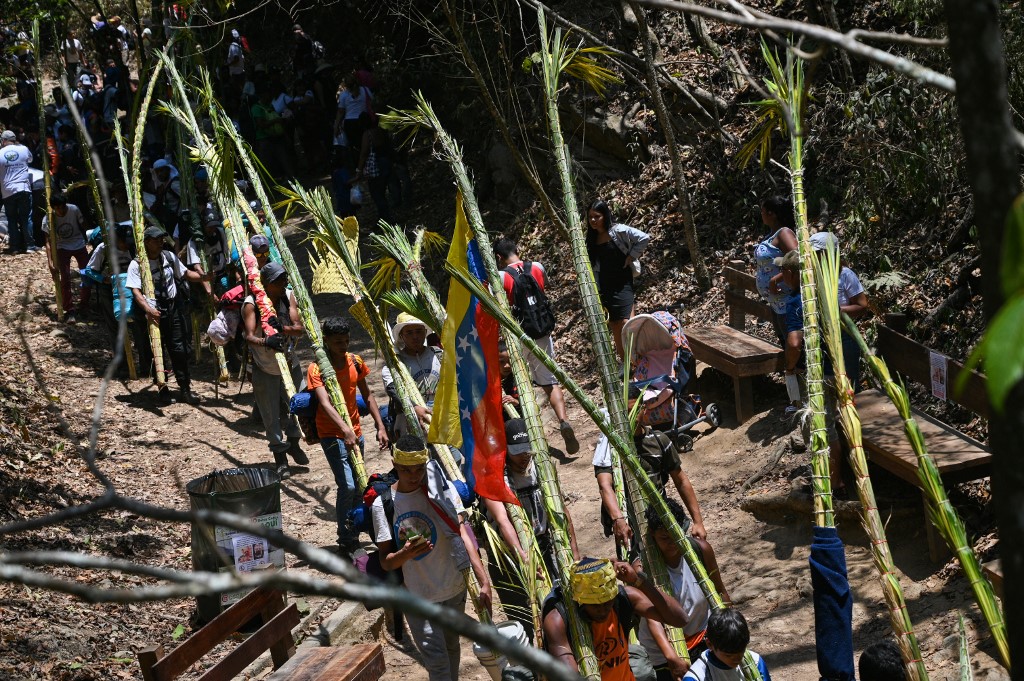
column 284, row 648
column 360, row 662
column 994, row 571
column 739, row 279
column 957, row 456
column 748, row 305
column 147, row 658
column 242, row 656
column 729, row 344
column 215, row 631
column 911, row 359
column 743, row 391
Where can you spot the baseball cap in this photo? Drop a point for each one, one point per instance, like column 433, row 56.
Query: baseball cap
column 9, row 136
column 271, row 272
column 259, row 243
column 154, row 233
column 516, row 436
column 821, row 241
column 161, row 163
column 790, row 261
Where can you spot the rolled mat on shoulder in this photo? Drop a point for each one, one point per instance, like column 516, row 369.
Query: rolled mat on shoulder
column 833, row 606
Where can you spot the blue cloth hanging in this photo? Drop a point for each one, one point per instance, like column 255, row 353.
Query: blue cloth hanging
column 833, row 606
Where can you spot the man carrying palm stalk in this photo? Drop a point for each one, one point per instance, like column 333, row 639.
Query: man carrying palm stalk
column 610, row 610
column 426, row 536
column 337, row 438
column 267, row 386
column 168, row 310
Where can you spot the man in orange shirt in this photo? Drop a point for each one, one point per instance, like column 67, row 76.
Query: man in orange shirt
column 610, row 610
column 337, row 437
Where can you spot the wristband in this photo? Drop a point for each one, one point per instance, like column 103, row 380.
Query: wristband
column 641, row 579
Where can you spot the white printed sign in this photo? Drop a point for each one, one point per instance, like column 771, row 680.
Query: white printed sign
column 940, row 372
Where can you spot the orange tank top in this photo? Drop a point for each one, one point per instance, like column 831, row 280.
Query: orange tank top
column 612, row 648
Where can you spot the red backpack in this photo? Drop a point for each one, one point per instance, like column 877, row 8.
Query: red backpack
column 232, row 299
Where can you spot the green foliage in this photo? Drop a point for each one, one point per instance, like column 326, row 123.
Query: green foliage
column 1001, row 351
column 901, row 147
column 886, row 281
column 769, row 111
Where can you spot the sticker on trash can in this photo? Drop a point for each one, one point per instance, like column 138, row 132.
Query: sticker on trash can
column 247, row 552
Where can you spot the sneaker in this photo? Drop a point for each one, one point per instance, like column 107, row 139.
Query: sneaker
column 572, row 445
column 188, row 397
column 33, row 249
column 164, row 398
column 71, row 318
column 283, row 471
column 298, row 456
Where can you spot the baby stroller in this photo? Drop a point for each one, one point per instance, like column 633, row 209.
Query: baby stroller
column 663, row 367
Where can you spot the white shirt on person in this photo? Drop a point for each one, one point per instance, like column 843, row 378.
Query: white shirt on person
column 70, row 236
column 435, row 576
column 165, row 270
column 695, row 606
column 236, row 59
column 14, row 160
column 72, row 51
column 849, row 286
column 98, row 259
column 354, row 106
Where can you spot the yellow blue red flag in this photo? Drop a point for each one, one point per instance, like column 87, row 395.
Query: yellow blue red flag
column 467, row 404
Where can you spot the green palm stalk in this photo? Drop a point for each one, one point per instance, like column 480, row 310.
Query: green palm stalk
column 785, row 109
column 940, row 510
column 216, row 156
column 393, row 244
column 558, row 59
column 188, row 195
column 423, row 117
column 132, row 180
column 51, row 240
column 826, row 275
column 411, row 302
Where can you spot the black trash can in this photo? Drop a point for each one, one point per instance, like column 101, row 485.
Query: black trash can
column 253, row 493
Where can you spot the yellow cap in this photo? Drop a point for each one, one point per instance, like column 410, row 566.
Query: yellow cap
column 593, row 581
column 409, row 458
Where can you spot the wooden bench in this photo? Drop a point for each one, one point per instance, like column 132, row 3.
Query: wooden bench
column 730, row 349
column 994, row 571
column 360, row 662
column 275, row 634
column 958, row 457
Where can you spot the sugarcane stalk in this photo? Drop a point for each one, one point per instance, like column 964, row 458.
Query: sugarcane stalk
column 133, row 187
column 51, row 239
column 827, row 277
column 188, row 196
column 554, row 59
column 940, row 510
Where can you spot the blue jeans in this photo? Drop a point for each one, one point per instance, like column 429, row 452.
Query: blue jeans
column 19, row 220
column 345, row 478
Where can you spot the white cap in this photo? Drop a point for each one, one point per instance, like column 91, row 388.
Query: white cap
column 821, row 241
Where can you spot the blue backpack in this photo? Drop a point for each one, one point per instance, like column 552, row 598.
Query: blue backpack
column 303, row 406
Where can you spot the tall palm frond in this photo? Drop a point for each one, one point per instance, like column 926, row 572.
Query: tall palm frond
column 411, row 302
column 826, row 275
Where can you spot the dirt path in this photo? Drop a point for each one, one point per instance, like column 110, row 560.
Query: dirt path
column 152, row 452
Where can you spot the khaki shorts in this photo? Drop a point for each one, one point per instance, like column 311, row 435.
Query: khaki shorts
column 542, row 376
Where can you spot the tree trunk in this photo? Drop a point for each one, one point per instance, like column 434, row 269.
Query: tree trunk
column 700, row 268
column 976, row 52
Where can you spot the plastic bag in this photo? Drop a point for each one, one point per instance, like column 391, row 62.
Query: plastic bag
column 355, row 195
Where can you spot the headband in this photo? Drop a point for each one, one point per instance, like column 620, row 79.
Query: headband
column 593, row 582
column 410, row 458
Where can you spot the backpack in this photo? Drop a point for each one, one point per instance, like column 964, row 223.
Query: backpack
column 303, row 406
column 360, row 517
column 530, row 305
column 232, row 298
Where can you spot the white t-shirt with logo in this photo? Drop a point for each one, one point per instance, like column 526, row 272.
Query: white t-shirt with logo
column 69, row 229
column 14, row 160
column 434, row 576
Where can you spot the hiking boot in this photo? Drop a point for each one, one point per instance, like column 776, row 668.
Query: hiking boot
column 71, row 318
column 283, row 471
column 163, row 397
column 188, row 397
column 298, row 456
column 572, row 445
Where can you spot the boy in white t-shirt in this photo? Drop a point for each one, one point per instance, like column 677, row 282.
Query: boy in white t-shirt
column 69, row 227
column 727, row 640
column 427, row 538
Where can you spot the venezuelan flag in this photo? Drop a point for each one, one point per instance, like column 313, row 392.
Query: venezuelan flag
column 467, row 404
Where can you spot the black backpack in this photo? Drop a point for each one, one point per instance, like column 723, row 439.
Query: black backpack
column 529, row 304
